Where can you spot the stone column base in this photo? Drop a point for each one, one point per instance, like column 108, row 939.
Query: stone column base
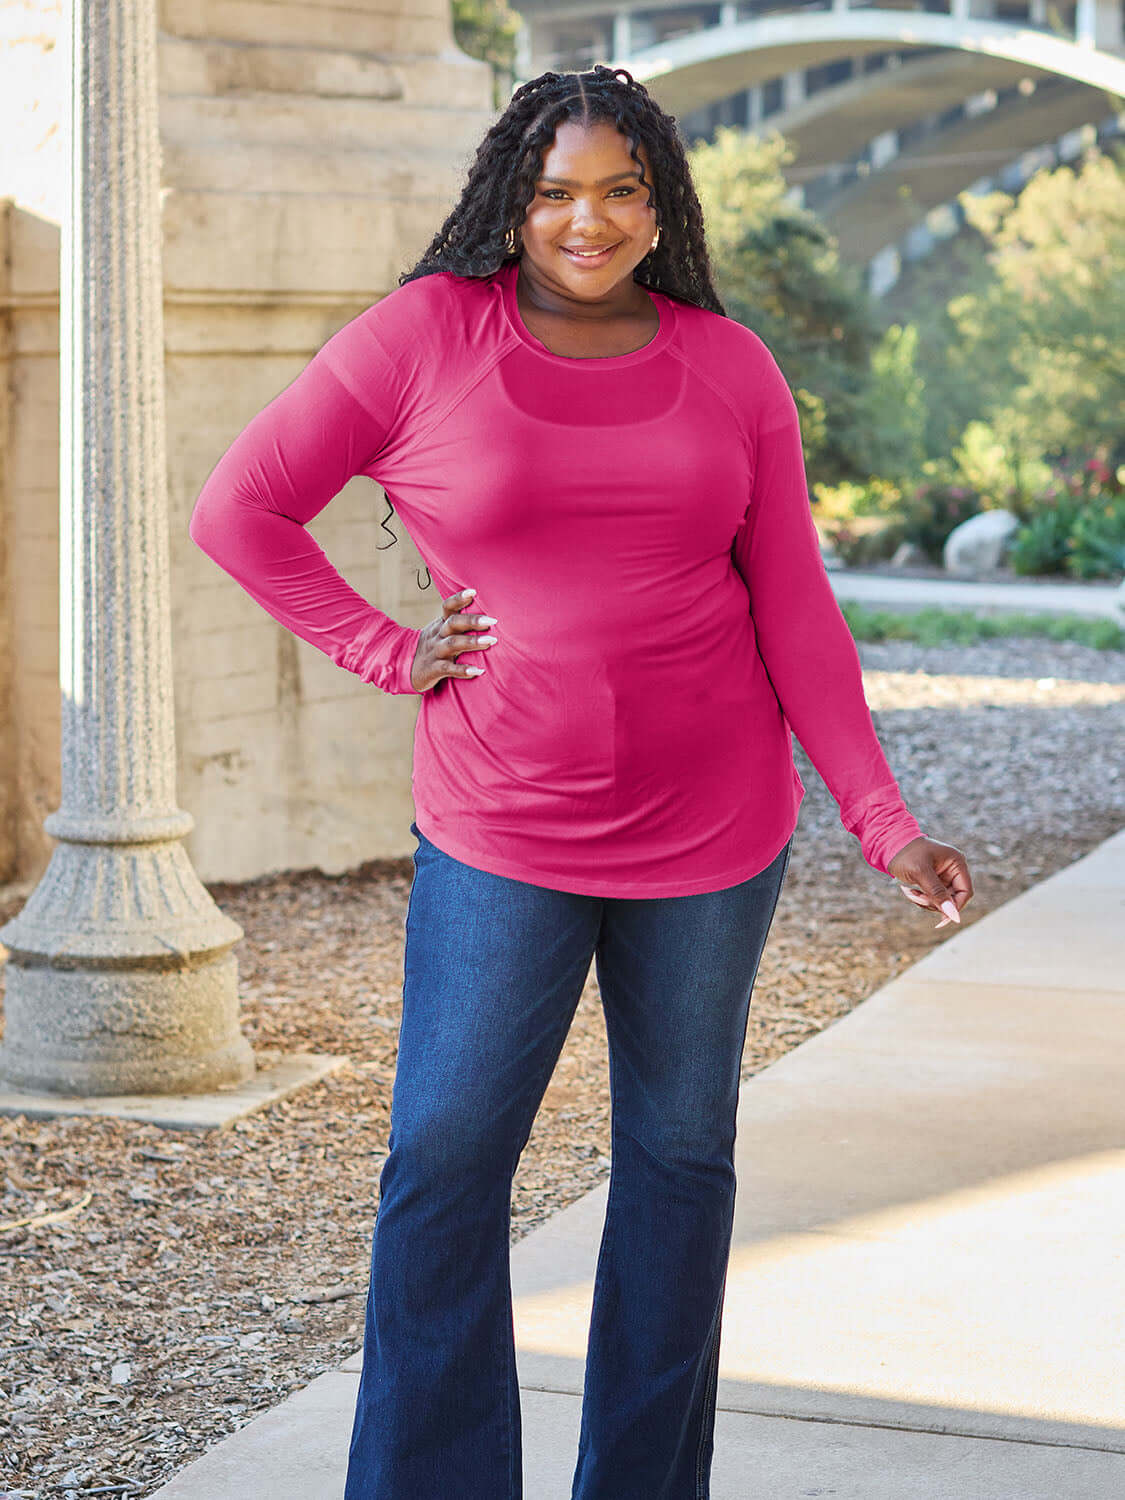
column 277, row 1075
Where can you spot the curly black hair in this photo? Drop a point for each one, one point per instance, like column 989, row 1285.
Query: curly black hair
column 501, row 182
column 473, row 240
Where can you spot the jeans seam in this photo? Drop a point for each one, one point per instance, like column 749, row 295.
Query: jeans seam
column 603, row 1253
column 512, row 1378
column 710, row 1386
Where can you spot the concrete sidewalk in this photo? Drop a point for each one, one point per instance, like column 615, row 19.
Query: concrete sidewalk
column 984, row 596
column 926, row 1298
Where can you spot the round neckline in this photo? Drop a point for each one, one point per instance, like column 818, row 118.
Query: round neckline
column 665, row 311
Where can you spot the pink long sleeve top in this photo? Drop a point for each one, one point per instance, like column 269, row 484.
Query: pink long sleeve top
column 639, row 526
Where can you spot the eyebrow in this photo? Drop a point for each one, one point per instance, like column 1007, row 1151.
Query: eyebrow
column 570, row 182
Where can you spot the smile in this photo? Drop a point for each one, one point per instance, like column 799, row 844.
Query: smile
column 589, row 257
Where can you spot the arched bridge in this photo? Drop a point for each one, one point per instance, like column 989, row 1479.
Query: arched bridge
column 892, row 109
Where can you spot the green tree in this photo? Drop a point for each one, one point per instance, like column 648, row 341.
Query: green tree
column 778, row 270
column 487, row 29
column 892, row 412
column 1017, row 319
column 964, row 352
column 1058, row 257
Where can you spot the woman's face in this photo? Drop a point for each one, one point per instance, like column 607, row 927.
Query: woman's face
column 588, row 195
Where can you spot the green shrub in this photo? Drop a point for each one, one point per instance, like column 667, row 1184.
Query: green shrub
column 865, row 539
column 939, row 627
column 1077, row 525
column 841, row 501
column 995, row 467
column 862, row 521
column 932, row 510
column 1096, row 546
column 1041, row 545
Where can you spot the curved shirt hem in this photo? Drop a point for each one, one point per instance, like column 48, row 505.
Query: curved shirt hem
column 511, row 870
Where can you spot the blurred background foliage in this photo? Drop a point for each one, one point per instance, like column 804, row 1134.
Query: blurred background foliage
column 929, row 405
column 991, row 376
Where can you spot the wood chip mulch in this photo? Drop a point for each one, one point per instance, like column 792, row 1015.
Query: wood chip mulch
column 195, row 1279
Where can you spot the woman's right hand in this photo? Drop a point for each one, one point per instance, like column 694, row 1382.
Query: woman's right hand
column 444, row 639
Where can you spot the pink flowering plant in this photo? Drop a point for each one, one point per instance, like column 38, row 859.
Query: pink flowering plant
column 933, row 508
column 1078, row 522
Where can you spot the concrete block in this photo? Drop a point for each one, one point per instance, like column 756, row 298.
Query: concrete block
column 424, row 28
column 300, row 1449
column 34, row 462
column 247, row 650
column 373, row 125
column 315, row 167
column 273, row 241
column 278, row 1075
column 218, row 697
column 34, row 245
column 1044, row 958
column 215, row 66
column 35, row 337
column 226, row 326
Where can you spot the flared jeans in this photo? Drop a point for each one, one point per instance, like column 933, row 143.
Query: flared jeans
column 494, row 970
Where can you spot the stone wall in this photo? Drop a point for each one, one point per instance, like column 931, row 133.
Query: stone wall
column 309, row 152
column 29, row 531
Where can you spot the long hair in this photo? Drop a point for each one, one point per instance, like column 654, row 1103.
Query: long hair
column 501, row 182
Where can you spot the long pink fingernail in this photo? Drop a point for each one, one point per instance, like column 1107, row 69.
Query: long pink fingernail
column 950, row 910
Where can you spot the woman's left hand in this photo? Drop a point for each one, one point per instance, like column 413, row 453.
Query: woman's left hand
column 933, row 875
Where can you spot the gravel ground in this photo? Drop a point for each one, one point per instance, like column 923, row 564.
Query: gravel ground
column 200, row 1279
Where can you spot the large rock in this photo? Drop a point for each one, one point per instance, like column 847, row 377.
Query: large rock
column 980, row 543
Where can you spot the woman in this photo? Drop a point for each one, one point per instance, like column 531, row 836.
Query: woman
column 604, row 475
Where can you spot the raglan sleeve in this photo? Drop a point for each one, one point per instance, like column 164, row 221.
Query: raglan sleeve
column 803, row 639
column 282, row 469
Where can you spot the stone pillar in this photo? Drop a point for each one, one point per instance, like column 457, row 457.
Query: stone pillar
column 120, row 977
column 792, row 88
column 622, row 43
column 1100, row 23
column 524, row 53
column 882, row 148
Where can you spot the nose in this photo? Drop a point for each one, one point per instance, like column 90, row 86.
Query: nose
column 587, row 218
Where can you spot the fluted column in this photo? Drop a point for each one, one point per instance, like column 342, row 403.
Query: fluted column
column 121, row 977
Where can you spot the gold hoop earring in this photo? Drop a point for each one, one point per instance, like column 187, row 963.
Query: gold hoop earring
column 510, row 242
column 655, row 239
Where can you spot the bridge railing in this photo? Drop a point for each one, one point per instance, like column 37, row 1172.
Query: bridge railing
column 1074, row 21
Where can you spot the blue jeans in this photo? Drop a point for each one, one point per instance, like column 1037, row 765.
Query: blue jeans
column 494, row 969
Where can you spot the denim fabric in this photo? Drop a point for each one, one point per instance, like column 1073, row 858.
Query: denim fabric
column 494, row 968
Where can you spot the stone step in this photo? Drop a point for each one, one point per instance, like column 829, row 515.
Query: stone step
column 382, row 126
column 421, row 27
column 222, row 68
column 320, row 167
column 279, row 243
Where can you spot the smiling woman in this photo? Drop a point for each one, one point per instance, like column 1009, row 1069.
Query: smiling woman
column 582, row 239
column 588, row 452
